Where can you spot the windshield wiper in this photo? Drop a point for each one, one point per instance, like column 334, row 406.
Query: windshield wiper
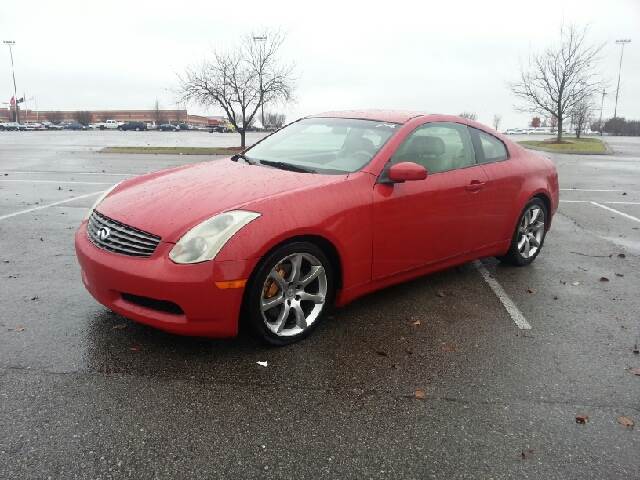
column 243, row 157
column 287, row 166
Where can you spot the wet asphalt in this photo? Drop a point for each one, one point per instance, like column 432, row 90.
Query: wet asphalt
column 85, row 393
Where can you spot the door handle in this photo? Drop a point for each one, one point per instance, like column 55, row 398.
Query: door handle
column 474, row 186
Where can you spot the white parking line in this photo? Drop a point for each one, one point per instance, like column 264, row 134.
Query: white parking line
column 587, row 190
column 625, row 215
column 56, row 181
column 610, row 203
column 15, row 214
column 507, row 303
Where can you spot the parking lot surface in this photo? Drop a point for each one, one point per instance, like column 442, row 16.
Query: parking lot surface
column 85, row 393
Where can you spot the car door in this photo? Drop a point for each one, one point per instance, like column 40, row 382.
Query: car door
column 501, row 190
column 426, row 221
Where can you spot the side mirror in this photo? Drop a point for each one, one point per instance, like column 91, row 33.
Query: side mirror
column 406, row 171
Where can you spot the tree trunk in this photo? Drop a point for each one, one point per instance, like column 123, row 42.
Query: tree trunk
column 559, row 135
column 242, row 133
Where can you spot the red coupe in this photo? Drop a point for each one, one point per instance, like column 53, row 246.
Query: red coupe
column 327, row 209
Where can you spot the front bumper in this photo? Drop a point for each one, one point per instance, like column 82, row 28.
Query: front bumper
column 199, row 307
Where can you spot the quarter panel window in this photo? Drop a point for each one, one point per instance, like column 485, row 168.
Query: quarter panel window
column 492, row 148
column 438, row 147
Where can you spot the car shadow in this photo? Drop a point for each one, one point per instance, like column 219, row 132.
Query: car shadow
column 409, row 329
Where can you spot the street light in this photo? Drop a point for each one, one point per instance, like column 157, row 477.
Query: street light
column 622, row 43
column 11, row 43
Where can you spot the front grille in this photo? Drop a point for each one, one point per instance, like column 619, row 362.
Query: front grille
column 117, row 237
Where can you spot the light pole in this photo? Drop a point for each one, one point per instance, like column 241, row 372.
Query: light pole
column 262, row 38
column 601, row 108
column 622, row 43
column 11, row 43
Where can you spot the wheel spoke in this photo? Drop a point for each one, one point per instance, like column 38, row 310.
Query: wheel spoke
column 269, row 303
column 533, row 240
column 296, row 263
column 527, row 248
column 312, row 297
column 282, row 317
column 275, row 276
column 521, row 242
column 534, row 215
column 301, row 321
column 312, row 275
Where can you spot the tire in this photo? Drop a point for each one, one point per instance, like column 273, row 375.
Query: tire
column 528, row 237
column 296, row 308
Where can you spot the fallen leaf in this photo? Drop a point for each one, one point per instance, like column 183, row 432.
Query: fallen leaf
column 635, row 371
column 531, row 290
column 619, row 275
column 526, row 453
column 625, row 422
column 382, row 353
column 604, row 279
column 440, row 293
column 582, row 419
column 420, row 394
column 35, row 297
column 120, row 326
column 622, row 255
column 416, row 323
column 262, row 364
column 575, row 284
column 555, row 297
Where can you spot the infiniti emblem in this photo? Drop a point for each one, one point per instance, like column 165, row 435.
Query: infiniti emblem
column 104, row 233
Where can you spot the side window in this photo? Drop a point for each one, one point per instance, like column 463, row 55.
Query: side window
column 492, row 148
column 438, row 147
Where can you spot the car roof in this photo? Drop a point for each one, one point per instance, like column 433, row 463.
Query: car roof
column 392, row 116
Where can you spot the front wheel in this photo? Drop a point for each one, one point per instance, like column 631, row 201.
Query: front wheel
column 529, row 236
column 289, row 293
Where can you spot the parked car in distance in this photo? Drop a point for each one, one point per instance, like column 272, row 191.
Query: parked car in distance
column 108, row 125
column 32, row 126
column 218, row 129
column 167, row 127
column 137, row 126
column 184, row 126
column 327, row 209
column 9, row 126
column 74, row 126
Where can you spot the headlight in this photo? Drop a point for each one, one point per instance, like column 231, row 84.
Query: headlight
column 204, row 241
column 100, row 199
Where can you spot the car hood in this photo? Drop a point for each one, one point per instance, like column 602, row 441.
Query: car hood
column 169, row 202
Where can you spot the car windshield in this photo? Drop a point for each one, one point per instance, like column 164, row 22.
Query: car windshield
column 323, row 145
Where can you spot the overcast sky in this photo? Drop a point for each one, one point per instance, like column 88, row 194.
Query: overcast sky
column 442, row 57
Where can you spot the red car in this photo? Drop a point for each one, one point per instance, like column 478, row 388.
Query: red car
column 327, row 209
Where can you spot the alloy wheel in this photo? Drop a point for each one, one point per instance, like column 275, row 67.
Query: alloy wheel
column 294, row 294
column 531, row 231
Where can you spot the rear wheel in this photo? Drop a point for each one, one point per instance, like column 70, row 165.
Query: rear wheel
column 290, row 292
column 529, row 236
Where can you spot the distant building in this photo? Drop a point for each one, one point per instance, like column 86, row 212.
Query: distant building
column 150, row 116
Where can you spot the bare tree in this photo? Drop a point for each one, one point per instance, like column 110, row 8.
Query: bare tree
column 560, row 78
column 240, row 81
column 496, row 121
column 274, row 121
column 55, row 117
column 83, row 117
column 469, row 115
column 157, row 114
column 581, row 116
